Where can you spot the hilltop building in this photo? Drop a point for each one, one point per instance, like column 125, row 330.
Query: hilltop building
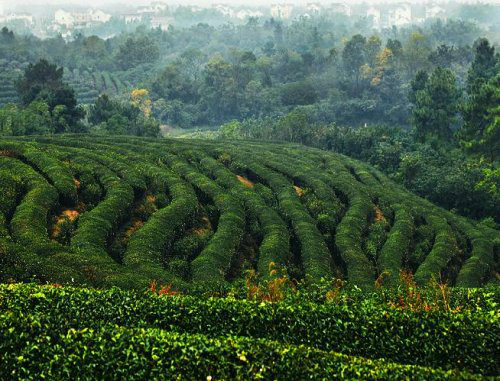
column 225, row 9
column 281, row 11
column 23, row 17
column 80, row 19
column 435, row 11
column 130, row 18
column 162, row 22
column 314, row 8
column 400, row 15
column 340, row 9
column 375, row 14
column 154, row 8
column 246, row 13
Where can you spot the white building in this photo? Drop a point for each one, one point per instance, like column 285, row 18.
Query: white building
column 162, row 22
column 225, row 9
column 281, row 11
column 99, row 16
column 62, row 17
column 435, row 11
column 314, row 8
column 24, row 17
column 1, row 9
column 340, row 8
column 159, row 6
column 400, row 15
column 80, row 19
column 153, row 8
column 375, row 14
column 130, row 18
column 246, row 13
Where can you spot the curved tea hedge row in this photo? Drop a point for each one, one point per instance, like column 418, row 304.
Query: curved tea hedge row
column 125, row 211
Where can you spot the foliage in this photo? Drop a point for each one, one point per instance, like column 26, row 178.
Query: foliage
column 436, row 105
column 113, row 117
column 136, row 51
column 205, row 213
column 301, row 338
column 43, row 82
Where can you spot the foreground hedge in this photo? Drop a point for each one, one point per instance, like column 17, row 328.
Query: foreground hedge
column 468, row 340
column 36, row 347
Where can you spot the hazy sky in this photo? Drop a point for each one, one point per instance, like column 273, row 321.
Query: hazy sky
column 96, row 3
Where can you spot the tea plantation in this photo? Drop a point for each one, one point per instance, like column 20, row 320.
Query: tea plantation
column 104, row 211
column 64, row 333
column 238, row 244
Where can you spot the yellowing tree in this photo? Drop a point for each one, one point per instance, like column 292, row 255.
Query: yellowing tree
column 140, row 99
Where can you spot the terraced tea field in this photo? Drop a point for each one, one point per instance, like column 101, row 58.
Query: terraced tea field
column 87, row 85
column 123, row 211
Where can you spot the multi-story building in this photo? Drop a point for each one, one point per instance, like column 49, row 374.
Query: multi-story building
column 340, row 9
column 225, row 9
column 246, row 13
column 313, row 8
column 162, row 22
column 281, row 11
column 400, row 15
column 435, row 11
column 130, row 18
column 24, row 17
column 80, row 19
column 375, row 14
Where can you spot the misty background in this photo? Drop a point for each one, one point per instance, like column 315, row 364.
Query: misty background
column 409, row 87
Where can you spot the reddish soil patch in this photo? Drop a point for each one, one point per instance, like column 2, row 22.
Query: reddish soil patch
column 203, row 228
column 66, row 214
column 134, row 226
column 245, row 181
column 8, row 153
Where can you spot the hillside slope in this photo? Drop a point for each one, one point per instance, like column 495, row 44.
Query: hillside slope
column 123, row 211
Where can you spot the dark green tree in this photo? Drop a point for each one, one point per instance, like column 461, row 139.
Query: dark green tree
column 137, row 51
column 484, row 67
column 436, row 106
column 482, row 97
column 417, row 84
column 353, row 57
column 43, row 81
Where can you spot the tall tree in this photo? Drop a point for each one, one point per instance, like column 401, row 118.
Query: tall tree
column 484, row 67
column 353, row 58
column 481, row 131
column 481, row 95
column 436, row 105
column 43, row 81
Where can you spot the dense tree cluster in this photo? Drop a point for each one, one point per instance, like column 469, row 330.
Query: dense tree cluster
column 318, row 81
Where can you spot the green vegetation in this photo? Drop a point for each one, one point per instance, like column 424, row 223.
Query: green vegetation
column 419, row 103
column 84, row 334
column 260, row 252
column 105, row 211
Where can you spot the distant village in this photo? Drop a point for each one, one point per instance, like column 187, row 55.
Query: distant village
column 159, row 14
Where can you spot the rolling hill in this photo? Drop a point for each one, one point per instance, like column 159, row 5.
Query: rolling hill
column 123, row 211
